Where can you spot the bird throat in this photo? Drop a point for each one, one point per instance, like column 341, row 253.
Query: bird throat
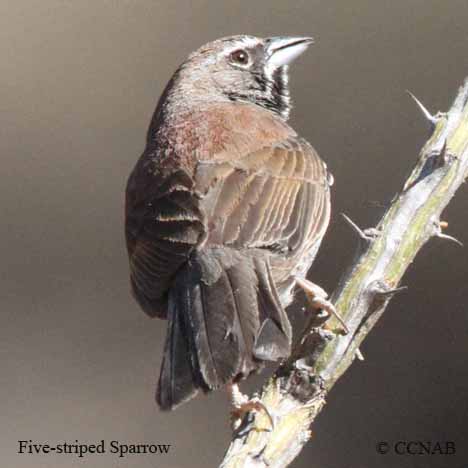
column 269, row 89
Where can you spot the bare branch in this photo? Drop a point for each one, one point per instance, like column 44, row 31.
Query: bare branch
column 296, row 393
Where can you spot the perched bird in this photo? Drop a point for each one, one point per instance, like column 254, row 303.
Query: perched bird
column 225, row 211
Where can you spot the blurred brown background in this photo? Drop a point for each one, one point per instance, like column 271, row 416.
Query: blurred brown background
column 78, row 83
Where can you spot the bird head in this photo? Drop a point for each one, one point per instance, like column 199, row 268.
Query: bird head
column 240, row 69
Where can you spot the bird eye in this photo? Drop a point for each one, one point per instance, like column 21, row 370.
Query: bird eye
column 239, row 57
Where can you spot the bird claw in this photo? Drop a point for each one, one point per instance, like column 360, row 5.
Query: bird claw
column 317, row 298
column 238, row 413
column 242, row 405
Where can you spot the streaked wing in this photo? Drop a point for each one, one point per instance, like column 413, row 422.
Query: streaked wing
column 276, row 198
column 162, row 229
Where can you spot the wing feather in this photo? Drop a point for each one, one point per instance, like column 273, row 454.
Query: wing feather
column 274, row 198
column 277, row 197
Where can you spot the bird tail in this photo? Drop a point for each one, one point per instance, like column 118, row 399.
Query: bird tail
column 224, row 320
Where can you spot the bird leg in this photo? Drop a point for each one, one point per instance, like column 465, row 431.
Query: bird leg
column 243, row 405
column 318, row 299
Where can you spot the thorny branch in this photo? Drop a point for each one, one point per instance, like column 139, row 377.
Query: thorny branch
column 296, row 393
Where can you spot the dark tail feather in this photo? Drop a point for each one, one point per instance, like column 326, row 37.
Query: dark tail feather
column 176, row 384
column 273, row 340
column 225, row 318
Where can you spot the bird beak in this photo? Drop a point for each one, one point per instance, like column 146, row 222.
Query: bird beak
column 283, row 50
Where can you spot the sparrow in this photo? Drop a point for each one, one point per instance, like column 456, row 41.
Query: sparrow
column 225, row 211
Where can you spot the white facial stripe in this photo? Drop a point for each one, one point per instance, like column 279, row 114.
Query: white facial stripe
column 270, row 68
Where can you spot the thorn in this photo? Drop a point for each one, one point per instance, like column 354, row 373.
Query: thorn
column 441, row 158
column 450, row 238
column 359, row 355
column 367, row 235
column 439, row 225
column 431, row 118
column 306, row 435
column 443, row 151
column 382, row 289
column 393, row 291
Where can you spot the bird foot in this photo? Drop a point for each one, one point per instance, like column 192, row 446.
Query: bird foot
column 318, row 299
column 242, row 405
